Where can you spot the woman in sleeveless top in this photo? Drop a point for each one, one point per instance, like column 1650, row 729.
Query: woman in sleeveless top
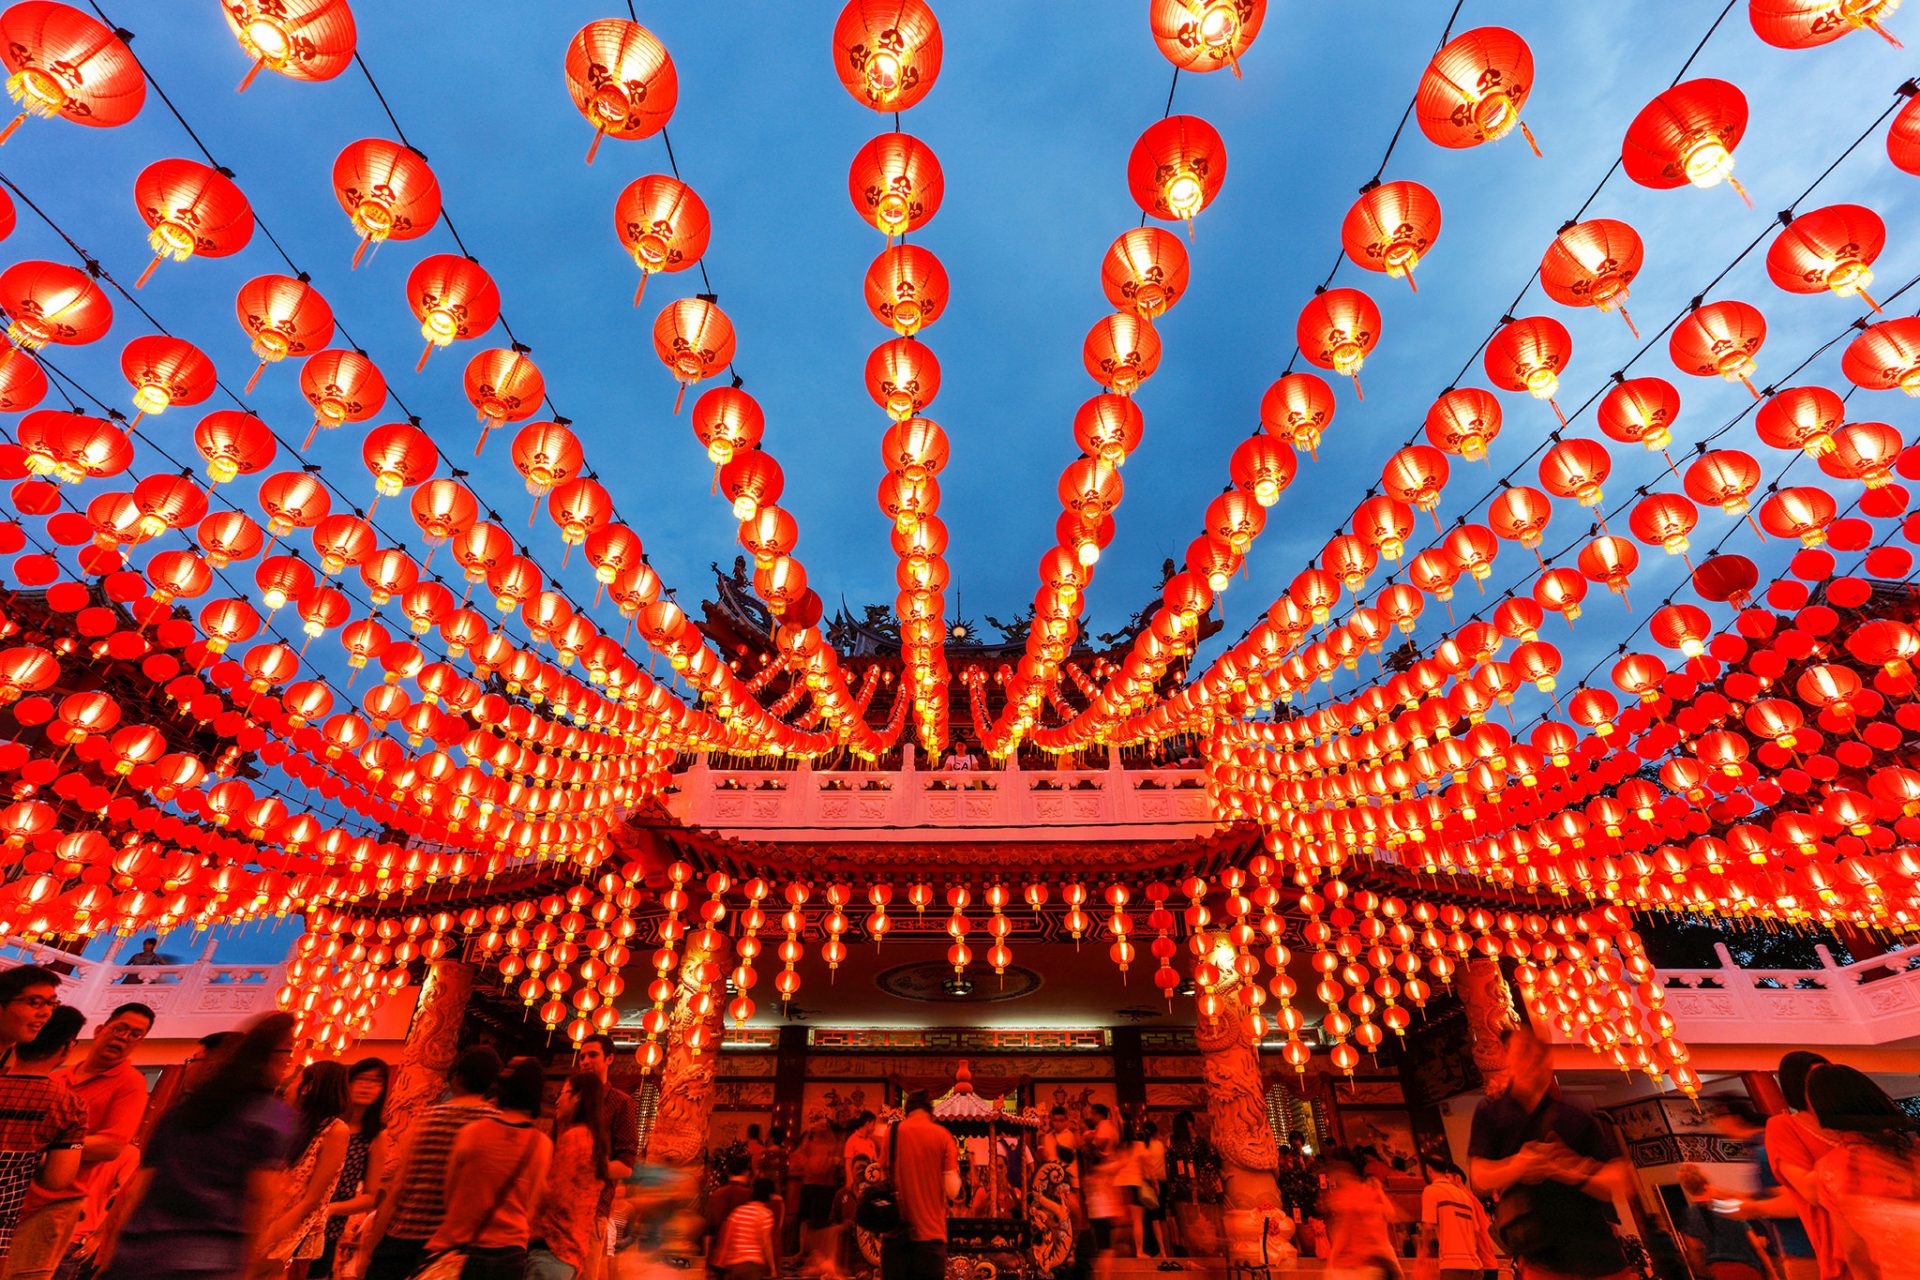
column 297, row 1232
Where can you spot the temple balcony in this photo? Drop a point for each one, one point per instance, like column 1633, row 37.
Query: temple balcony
column 914, row 804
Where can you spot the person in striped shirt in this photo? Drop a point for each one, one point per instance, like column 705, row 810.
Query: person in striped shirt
column 746, row 1250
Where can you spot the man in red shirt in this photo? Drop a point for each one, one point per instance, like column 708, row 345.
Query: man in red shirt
column 115, row 1095
column 926, row 1175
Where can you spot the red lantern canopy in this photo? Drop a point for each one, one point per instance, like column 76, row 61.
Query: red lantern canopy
column 1829, row 250
column 1807, row 24
column 1640, row 411
column 1590, row 264
column 387, row 190
column 662, row 224
column 1145, row 272
column 23, row 384
column 906, row 288
column 166, row 372
column 902, row 377
column 283, row 317
column 895, row 184
column 191, row 209
column 342, row 387
column 452, row 297
column 621, row 80
column 1720, row 339
column 1176, row 168
column 887, row 52
column 694, row 339
column 1391, row 227
column 1887, row 355
column 46, row 302
column 1337, row 330
column 233, row 443
column 1528, row 355
column 1205, row 35
column 1474, row 88
column 61, row 62
column 1121, row 352
column 503, row 386
column 1687, row 135
column 299, row 39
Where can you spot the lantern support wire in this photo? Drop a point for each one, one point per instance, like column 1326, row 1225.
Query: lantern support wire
column 1703, row 42
column 260, row 222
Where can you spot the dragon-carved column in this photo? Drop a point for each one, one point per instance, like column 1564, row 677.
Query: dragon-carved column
column 1257, row 1231
column 433, row 1039
column 685, row 1108
column 1490, row 1011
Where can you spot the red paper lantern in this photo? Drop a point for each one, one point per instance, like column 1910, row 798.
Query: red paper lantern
column 902, row 377
column 503, row 386
column 1829, row 250
column 1528, row 355
column 1205, row 35
column 895, row 184
column 1723, row 478
column 1807, row 24
column 694, row 339
column 1121, row 352
column 293, row 500
column 1474, row 89
column 1337, row 330
column 1263, row 467
column 1800, row 512
column 61, row 62
column 887, row 52
column 1664, row 520
column 190, row 209
column 906, row 288
column 1887, row 355
column 1864, row 451
column 545, row 454
column 1590, row 264
column 1687, row 135
column 299, row 39
column 399, row 455
column 621, row 80
column 1903, row 138
column 1640, row 411
column 453, row 298
column 1720, row 339
column 166, row 372
column 1520, row 514
column 282, row 317
column 233, row 443
column 1176, row 168
column 23, row 384
column 662, row 224
column 1464, row 422
column 1391, row 227
column 342, row 387
column 47, row 302
column 1298, row 408
column 1145, row 272
column 1576, row 468
column 728, row 421
column 387, row 190
column 1801, row 418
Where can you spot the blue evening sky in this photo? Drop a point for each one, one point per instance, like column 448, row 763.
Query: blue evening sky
column 1033, row 116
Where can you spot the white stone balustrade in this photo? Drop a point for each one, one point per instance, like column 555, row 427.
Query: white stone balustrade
column 188, row 1000
column 913, row 804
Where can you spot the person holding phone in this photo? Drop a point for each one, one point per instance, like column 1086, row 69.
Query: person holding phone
column 1719, row 1245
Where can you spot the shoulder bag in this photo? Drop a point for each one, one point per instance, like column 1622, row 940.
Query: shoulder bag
column 450, row 1262
column 878, row 1209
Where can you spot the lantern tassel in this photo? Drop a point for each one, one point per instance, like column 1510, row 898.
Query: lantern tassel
column 1528, row 135
column 591, row 150
column 1740, row 190
column 1748, row 384
column 360, row 252
column 256, row 377
column 533, row 514
column 1358, row 395
column 1555, row 406
column 1874, row 26
column 423, row 358
column 136, row 419
column 1632, row 328
column 642, row 288
column 1868, row 299
column 481, row 443
column 252, row 71
column 678, row 398
column 8, row 131
column 151, row 266
column 312, row 431
column 1412, row 283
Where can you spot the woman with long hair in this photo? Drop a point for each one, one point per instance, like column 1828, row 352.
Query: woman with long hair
column 298, row 1231
column 1869, row 1182
column 494, row 1178
column 357, row 1190
column 563, row 1225
column 210, row 1169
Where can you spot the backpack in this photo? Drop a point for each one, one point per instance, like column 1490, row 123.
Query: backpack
column 1871, row 1193
column 878, row 1209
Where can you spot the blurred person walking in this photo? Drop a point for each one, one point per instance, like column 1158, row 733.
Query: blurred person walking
column 562, row 1230
column 297, row 1231
column 494, row 1175
column 746, row 1250
column 621, row 1118
column 1794, row 1142
column 926, row 1175
column 1359, row 1247
column 1868, row 1183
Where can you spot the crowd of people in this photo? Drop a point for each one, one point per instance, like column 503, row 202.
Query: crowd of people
column 263, row 1169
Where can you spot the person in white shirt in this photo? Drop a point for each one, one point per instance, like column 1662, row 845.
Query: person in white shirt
column 1455, row 1223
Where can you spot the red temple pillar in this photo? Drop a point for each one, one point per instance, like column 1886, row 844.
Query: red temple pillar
column 1490, row 1010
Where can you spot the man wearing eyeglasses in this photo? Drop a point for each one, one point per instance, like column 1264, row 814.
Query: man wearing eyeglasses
column 42, row 1124
column 28, row 996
